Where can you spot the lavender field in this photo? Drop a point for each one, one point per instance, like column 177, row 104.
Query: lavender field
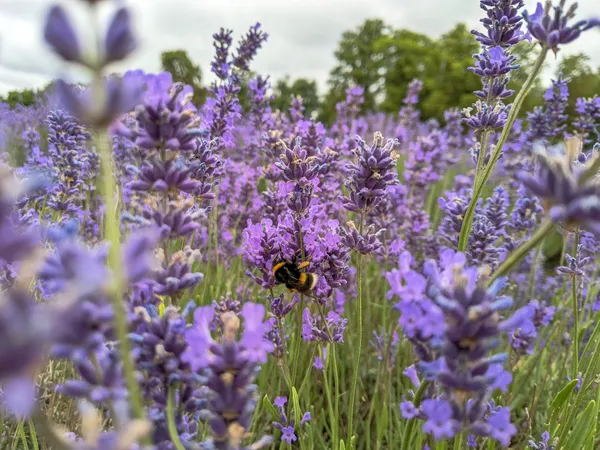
column 205, row 268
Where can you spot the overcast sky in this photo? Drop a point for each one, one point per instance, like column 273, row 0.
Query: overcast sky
column 303, row 33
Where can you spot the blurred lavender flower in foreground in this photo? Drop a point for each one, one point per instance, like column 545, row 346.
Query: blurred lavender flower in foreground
column 569, row 189
column 120, row 94
column 231, row 367
column 453, row 337
column 552, row 30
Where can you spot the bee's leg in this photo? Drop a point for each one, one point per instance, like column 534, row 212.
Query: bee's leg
column 304, row 264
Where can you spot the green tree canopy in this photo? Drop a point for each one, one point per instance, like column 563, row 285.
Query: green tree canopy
column 358, row 63
column 286, row 89
column 25, row 97
column 585, row 82
column 440, row 63
column 183, row 70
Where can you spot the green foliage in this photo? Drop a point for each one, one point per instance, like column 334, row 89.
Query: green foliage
column 183, row 70
column 285, row 90
column 441, row 64
column 359, row 63
column 25, row 97
column 585, row 82
column 383, row 61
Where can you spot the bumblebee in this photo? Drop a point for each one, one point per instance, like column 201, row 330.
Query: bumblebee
column 288, row 273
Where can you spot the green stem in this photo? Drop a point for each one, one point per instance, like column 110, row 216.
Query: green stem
column 575, row 315
column 360, row 335
column 483, row 145
column 173, row 434
column 21, row 429
column 487, row 171
column 33, row 434
column 336, row 381
column 298, row 339
column 112, row 233
column 333, row 422
column 575, row 328
column 533, row 270
column 458, row 441
column 308, row 371
column 515, row 257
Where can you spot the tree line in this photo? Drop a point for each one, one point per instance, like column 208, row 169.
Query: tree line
column 383, row 61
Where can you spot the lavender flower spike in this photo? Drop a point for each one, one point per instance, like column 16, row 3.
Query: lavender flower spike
column 552, row 30
column 570, row 190
column 60, row 35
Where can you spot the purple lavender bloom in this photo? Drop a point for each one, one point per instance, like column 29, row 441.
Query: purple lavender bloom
column 25, row 331
column 552, row 30
column 164, row 120
column 122, row 94
column 502, row 22
column 313, row 328
column 413, row 91
column 408, row 410
column 160, row 344
column 486, row 117
column 440, row 420
column 253, row 339
column 75, row 263
column 226, row 305
column 279, row 308
column 162, row 176
column 481, row 248
column 524, row 214
column 570, row 190
column 248, row 47
column 382, row 345
column 370, row 176
column 543, row 314
column 285, row 425
column 199, row 339
column 498, row 427
column 99, row 383
column 496, row 209
column 588, row 120
column 221, row 42
column 368, row 242
column 319, row 362
column 411, row 373
column 261, row 245
column 494, row 63
column 523, row 339
column 119, row 41
column 427, row 158
column 465, row 370
column 18, row 396
column 295, row 163
column 60, row 35
column 454, row 208
column 543, row 444
column 177, row 276
column 471, row 441
column 575, row 265
column 230, row 368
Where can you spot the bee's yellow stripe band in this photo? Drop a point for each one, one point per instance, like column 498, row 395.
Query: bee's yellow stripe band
column 278, row 266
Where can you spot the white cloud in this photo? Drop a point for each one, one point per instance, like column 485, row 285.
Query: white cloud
column 303, row 33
